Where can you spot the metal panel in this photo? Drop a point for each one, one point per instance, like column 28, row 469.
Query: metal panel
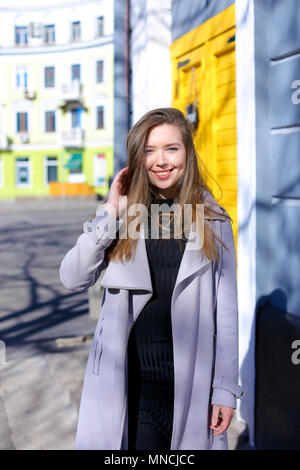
column 284, row 261
column 284, row 27
column 189, row 14
column 277, row 65
column 284, row 74
column 285, row 164
column 278, row 143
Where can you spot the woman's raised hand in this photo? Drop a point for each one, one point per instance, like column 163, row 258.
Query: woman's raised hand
column 117, row 196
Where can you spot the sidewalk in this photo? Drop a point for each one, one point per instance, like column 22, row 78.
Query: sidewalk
column 47, row 203
column 40, row 397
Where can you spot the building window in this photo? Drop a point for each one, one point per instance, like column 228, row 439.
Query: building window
column 22, row 122
column 100, row 170
column 50, row 121
column 100, row 117
column 99, row 71
column 21, row 36
column 75, row 31
column 51, row 173
column 22, row 172
column 21, row 77
column 74, row 163
column 75, row 72
column 76, row 118
column 49, row 34
column 100, row 26
column 49, row 77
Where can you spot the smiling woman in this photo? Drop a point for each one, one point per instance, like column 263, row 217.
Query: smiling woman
column 163, row 368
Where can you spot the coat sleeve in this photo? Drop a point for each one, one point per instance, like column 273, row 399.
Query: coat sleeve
column 225, row 382
column 82, row 264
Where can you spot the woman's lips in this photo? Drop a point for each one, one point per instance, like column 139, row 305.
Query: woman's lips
column 163, row 175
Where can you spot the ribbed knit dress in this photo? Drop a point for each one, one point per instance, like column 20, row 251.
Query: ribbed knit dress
column 150, row 351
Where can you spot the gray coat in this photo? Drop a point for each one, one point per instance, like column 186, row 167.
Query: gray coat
column 205, row 337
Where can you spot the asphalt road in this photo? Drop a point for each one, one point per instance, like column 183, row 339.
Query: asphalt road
column 35, row 307
column 46, row 329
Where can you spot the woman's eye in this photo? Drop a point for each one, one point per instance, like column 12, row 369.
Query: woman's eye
column 173, row 148
column 148, row 151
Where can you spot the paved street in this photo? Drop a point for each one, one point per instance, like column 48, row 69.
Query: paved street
column 46, row 328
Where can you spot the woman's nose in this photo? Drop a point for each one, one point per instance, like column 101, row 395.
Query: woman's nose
column 161, row 157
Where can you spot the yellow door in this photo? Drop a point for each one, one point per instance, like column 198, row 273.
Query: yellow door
column 204, row 60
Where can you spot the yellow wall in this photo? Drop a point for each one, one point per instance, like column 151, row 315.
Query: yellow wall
column 210, row 51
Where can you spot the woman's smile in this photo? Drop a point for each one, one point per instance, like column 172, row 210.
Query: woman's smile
column 162, row 175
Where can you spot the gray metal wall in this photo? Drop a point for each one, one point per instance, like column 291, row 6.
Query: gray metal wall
column 277, row 64
column 188, row 14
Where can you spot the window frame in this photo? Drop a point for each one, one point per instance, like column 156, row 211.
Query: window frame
column 19, row 131
column 44, row 83
column 71, row 72
column 49, row 29
column 78, row 171
column 47, row 164
column 25, row 33
column 97, row 62
column 100, row 24
column 103, row 118
column 46, row 112
column 79, row 112
column 21, row 72
column 18, row 165
column 75, row 27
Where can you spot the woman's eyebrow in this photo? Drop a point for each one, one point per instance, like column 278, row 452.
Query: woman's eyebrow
column 167, row 145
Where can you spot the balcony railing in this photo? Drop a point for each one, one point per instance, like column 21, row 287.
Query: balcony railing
column 72, row 138
column 71, row 91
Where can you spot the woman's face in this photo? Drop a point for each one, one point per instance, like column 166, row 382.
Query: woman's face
column 165, row 158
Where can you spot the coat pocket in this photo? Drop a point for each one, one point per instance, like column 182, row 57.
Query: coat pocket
column 98, row 350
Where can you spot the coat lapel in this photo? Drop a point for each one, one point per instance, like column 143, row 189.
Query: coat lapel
column 134, row 274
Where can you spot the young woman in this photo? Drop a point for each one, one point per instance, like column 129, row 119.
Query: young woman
column 162, row 371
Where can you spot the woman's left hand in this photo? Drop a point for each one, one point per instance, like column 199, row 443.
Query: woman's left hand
column 220, row 423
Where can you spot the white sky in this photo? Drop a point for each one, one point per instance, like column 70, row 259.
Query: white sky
column 41, row 4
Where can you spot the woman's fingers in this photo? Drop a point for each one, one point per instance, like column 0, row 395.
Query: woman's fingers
column 215, row 416
column 221, row 419
column 117, row 189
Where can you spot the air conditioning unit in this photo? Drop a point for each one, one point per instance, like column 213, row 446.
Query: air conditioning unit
column 29, row 94
column 35, row 29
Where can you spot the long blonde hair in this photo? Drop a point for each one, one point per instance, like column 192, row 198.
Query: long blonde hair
column 190, row 187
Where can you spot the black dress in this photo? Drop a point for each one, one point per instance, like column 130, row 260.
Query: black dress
column 150, row 352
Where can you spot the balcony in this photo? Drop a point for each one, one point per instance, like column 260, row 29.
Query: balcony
column 73, row 138
column 71, row 92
